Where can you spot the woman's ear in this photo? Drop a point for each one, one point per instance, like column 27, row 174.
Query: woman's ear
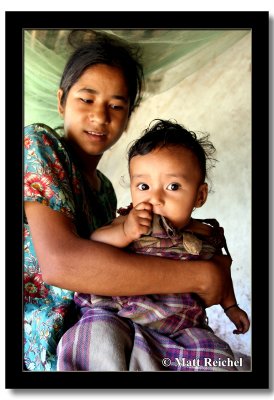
column 202, row 195
column 59, row 102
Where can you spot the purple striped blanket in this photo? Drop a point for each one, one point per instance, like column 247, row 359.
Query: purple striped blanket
column 147, row 333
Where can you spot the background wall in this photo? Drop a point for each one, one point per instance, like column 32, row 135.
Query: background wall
column 216, row 99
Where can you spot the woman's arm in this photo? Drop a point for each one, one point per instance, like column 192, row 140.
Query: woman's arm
column 77, row 264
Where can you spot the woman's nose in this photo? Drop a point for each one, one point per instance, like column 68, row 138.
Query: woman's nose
column 99, row 114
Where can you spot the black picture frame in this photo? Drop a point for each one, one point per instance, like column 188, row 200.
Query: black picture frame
column 16, row 23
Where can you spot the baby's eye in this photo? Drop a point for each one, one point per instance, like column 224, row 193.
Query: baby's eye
column 173, row 186
column 143, row 186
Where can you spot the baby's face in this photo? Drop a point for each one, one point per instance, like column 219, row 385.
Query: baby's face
column 169, row 178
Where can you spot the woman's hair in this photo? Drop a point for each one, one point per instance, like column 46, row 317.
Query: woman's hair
column 166, row 133
column 100, row 48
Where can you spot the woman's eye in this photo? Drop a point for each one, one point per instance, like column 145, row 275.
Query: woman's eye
column 143, row 186
column 173, row 186
column 116, row 107
column 86, row 101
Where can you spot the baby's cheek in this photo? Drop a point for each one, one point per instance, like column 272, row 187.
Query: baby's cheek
column 137, row 198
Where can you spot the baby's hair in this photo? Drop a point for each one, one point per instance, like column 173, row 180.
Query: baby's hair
column 166, row 133
column 101, row 48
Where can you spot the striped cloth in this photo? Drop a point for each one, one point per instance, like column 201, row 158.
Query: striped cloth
column 147, row 333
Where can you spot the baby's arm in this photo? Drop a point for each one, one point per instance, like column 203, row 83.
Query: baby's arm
column 124, row 229
column 111, row 234
column 235, row 313
column 239, row 318
column 229, row 303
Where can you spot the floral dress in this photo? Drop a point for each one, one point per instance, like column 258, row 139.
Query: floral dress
column 53, row 178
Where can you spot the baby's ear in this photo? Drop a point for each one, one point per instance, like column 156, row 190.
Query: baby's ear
column 202, row 195
column 59, row 102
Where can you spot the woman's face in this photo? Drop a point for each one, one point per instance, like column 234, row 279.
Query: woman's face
column 96, row 110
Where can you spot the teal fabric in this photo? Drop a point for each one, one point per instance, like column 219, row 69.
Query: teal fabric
column 53, row 179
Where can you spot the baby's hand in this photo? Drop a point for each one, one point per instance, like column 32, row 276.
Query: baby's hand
column 138, row 221
column 239, row 318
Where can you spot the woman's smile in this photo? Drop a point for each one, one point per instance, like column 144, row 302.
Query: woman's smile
column 96, row 135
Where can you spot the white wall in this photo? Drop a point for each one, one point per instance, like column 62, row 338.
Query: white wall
column 217, row 100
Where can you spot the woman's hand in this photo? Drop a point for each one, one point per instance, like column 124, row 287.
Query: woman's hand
column 217, row 280
column 198, row 227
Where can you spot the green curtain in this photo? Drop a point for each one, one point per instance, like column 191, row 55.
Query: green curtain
column 169, row 56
